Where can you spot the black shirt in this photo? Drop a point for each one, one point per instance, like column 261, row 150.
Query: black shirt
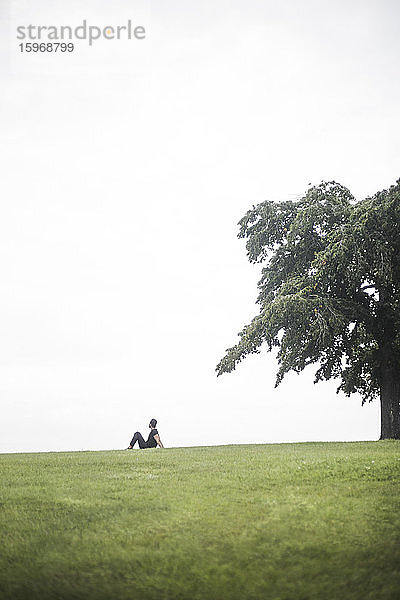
column 151, row 442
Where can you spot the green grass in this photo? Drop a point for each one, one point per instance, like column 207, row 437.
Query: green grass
column 285, row 521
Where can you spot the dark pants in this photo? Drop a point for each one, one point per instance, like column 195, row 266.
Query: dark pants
column 138, row 438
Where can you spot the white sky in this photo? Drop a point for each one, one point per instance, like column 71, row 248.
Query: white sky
column 125, row 168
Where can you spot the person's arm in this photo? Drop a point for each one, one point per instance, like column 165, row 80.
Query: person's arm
column 159, row 442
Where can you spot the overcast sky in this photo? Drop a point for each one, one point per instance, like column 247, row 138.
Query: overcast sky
column 125, row 169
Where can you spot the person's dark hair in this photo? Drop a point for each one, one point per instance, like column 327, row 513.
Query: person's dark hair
column 153, row 422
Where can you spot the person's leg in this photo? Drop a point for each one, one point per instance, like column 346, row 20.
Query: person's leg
column 139, row 439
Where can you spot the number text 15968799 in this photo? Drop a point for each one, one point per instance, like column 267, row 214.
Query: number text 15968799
column 47, row 47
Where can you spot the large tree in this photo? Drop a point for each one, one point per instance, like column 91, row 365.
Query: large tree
column 329, row 292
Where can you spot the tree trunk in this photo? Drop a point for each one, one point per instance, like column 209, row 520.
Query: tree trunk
column 390, row 403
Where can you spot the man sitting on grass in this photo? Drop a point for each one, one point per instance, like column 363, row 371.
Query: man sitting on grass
column 152, row 441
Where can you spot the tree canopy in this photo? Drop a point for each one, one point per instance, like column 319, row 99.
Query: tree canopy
column 329, row 291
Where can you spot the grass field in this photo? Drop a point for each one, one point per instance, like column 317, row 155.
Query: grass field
column 284, row 521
